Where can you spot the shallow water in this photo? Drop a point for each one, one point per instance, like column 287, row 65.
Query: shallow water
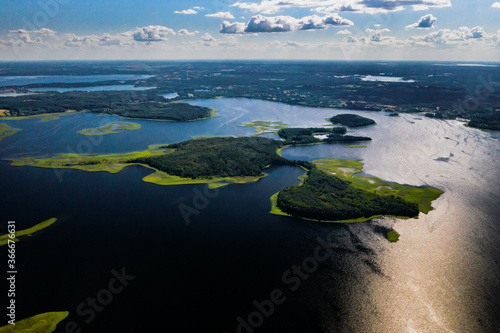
column 442, row 275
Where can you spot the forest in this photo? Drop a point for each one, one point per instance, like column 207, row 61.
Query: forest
column 326, row 197
column 219, row 157
column 132, row 104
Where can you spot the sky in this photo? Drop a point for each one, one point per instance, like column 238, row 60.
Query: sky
column 436, row 30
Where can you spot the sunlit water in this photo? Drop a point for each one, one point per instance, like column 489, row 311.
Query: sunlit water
column 442, row 275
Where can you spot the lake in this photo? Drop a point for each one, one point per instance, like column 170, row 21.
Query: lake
column 27, row 80
column 442, row 275
column 95, row 88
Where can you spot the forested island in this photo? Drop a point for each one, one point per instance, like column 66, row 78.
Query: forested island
column 352, row 120
column 304, row 136
column 326, row 197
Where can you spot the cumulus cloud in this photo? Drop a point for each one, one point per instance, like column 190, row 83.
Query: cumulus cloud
column 22, row 36
column 263, row 24
column 495, row 5
column 152, row 33
column 259, row 23
column 447, row 36
column 225, row 15
column 185, row 32
column 232, row 28
column 208, row 39
column 344, row 32
column 425, row 22
column 186, row 12
column 367, row 6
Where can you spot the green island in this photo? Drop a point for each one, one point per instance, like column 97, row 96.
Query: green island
column 6, row 131
column 352, row 120
column 110, row 128
column 42, row 323
column 392, row 236
column 356, row 146
column 216, row 161
column 4, row 239
column 331, row 193
column 306, row 136
column 264, row 126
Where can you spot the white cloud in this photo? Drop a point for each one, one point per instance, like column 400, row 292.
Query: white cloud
column 185, row 32
column 208, row 40
column 344, row 32
column 327, row 6
column 447, row 36
column 495, row 5
column 225, row 15
column 152, row 33
column 232, row 28
column 425, row 22
column 186, row 12
column 259, row 23
column 265, row 24
column 198, row 8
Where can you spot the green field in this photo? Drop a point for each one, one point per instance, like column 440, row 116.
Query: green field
column 42, row 323
column 111, row 128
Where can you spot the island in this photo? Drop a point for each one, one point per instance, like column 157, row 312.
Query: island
column 330, row 192
column 217, row 161
column 4, row 239
column 111, row 128
column 352, row 120
column 305, row 136
column 42, row 323
column 6, row 131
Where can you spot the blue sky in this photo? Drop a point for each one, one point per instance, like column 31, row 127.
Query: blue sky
column 455, row 30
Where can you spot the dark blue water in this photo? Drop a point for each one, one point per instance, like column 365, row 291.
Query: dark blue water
column 202, row 275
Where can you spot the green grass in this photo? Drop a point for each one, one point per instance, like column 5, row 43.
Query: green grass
column 494, row 137
column 44, row 116
column 392, row 236
column 111, row 128
column 27, row 232
column 42, row 323
column 112, row 163
column 264, row 126
column 162, row 178
column 6, row 131
column 347, row 169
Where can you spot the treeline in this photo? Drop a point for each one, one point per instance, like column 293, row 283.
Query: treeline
column 133, row 104
column 220, row 157
column 489, row 121
column 352, row 120
column 325, row 197
column 334, row 138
